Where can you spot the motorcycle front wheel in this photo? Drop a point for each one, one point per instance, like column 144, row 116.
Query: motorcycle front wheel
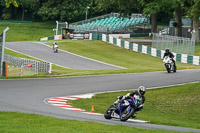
column 127, row 113
column 108, row 112
column 168, row 68
column 174, row 68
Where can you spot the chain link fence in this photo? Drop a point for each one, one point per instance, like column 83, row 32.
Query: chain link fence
column 175, row 44
column 27, row 64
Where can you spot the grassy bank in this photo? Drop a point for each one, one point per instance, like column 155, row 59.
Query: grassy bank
column 133, row 61
column 30, row 123
column 27, row 31
column 197, row 49
column 175, row 106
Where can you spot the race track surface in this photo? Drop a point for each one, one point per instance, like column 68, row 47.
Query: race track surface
column 65, row 59
column 28, row 95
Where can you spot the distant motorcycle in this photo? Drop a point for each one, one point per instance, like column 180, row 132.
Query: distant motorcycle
column 55, row 48
column 123, row 110
column 169, row 64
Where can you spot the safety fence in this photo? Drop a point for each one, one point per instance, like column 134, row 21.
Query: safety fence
column 175, row 44
column 28, row 64
column 183, row 58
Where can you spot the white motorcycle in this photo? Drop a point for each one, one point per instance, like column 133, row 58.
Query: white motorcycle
column 55, row 48
column 169, row 64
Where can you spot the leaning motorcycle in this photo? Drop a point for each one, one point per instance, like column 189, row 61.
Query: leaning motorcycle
column 123, row 111
column 169, row 64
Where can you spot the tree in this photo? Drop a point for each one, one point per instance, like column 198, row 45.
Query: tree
column 24, row 4
column 125, row 7
column 8, row 2
column 64, row 9
column 195, row 13
column 152, row 7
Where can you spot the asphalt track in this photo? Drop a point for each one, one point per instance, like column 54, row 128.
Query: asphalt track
column 65, row 59
column 28, row 95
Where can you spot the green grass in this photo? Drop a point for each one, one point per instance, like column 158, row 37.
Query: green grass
column 174, row 106
column 134, row 62
column 17, row 71
column 13, row 53
column 31, row 123
column 197, row 49
column 27, row 31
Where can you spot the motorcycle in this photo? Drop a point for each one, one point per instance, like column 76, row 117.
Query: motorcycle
column 169, row 64
column 55, row 48
column 123, row 111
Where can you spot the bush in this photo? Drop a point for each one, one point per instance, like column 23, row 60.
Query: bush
column 6, row 16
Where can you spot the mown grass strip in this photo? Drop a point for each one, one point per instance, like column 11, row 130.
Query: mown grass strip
column 31, row 123
column 133, row 61
column 174, row 106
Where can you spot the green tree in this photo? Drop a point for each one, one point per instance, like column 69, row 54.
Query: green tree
column 8, row 2
column 195, row 13
column 125, row 7
column 63, row 9
column 24, row 4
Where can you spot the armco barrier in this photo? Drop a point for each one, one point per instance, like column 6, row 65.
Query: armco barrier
column 183, row 58
column 22, row 62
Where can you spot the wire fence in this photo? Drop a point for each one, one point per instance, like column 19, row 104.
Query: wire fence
column 28, row 64
column 175, row 44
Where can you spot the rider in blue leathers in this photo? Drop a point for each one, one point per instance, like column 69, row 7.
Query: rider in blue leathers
column 139, row 97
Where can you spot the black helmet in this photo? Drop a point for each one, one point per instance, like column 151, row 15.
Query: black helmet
column 141, row 90
column 167, row 50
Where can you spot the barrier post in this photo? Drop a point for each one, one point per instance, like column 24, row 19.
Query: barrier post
column 2, row 45
column 5, row 69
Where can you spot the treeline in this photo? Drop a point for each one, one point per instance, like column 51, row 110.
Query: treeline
column 74, row 10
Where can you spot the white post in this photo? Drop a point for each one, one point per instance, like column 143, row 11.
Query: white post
column 56, row 28
column 86, row 13
column 50, row 68
column 3, row 46
column 22, row 67
column 66, row 25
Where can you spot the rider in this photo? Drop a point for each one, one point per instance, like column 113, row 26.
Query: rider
column 170, row 54
column 138, row 95
column 55, row 45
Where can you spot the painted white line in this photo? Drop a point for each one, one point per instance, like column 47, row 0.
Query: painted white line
column 85, row 57
column 138, row 121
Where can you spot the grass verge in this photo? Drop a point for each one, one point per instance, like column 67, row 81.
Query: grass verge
column 29, row 123
column 174, row 106
column 197, row 49
column 133, row 61
column 27, row 31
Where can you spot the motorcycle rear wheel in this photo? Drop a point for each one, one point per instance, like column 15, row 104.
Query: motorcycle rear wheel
column 126, row 115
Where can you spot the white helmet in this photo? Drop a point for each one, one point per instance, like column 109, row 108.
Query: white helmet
column 141, row 90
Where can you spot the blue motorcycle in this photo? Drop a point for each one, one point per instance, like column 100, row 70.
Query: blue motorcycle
column 123, row 111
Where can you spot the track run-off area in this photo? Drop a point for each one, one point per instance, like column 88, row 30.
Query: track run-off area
column 30, row 95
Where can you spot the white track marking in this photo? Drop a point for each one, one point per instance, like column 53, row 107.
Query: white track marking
column 61, row 103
